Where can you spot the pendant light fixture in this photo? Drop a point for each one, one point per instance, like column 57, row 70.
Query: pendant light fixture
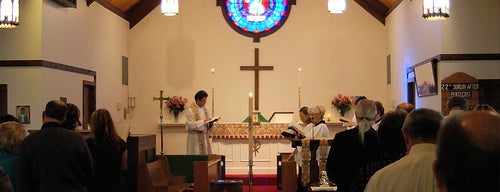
column 9, row 13
column 170, row 7
column 336, row 6
column 434, row 10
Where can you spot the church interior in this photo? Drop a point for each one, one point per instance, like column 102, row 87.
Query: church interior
column 127, row 57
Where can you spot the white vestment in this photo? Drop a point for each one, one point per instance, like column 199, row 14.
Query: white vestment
column 197, row 140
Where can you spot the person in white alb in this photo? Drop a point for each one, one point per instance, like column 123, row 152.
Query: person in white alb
column 414, row 171
column 197, row 126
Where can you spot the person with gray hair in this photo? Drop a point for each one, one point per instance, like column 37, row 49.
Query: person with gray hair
column 413, row 172
column 320, row 129
column 354, row 148
column 468, row 153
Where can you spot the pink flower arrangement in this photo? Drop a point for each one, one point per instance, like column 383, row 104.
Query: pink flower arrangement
column 342, row 103
column 176, row 104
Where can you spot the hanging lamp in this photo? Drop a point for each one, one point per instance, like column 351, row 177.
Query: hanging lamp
column 170, row 7
column 434, row 10
column 336, row 6
column 9, row 13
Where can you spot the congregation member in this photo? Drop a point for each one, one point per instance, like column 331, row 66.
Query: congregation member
column 455, row 106
column 354, row 148
column 380, row 114
column 484, row 107
column 8, row 117
column 197, row 126
column 72, row 117
column 11, row 135
column 5, row 183
column 54, row 158
column 109, row 152
column 354, row 100
column 392, row 145
column 408, row 107
column 468, row 153
column 413, row 172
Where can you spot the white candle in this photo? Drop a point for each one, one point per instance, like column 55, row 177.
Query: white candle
column 300, row 69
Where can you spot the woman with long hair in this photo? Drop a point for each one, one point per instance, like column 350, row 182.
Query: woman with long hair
column 109, row 152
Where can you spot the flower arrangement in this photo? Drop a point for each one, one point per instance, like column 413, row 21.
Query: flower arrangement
column 342, row 103
column 176, row 104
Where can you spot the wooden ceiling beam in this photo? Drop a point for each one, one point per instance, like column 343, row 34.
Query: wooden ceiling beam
column 140, row 10
column 110, row 7
column 375, row 8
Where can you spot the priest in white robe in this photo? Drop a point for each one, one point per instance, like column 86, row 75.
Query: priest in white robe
column 197, row 126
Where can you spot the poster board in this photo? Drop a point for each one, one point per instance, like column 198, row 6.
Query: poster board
column 459, row 85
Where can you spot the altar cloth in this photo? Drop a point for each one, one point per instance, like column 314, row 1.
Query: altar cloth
column 240, row 131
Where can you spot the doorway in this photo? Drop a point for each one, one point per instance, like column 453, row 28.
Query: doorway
column 489, row 92
column 89, row 102
column 3, row 99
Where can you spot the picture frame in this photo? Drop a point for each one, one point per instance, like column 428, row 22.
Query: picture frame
column 425, row 78
column 23, row 114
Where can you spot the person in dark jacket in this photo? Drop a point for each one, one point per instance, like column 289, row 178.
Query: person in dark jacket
column 55, row 159
column 354, row 148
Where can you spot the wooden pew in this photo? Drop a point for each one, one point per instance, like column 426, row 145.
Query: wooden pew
column 286, row 173
column 206, row 171
column 199, row 169
column 141, row 150
column 157, row 177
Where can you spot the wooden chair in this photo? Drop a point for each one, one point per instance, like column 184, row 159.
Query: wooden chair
column 156, row 177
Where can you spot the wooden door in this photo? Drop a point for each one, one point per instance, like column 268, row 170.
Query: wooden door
column 3, row 99
column 89, row 102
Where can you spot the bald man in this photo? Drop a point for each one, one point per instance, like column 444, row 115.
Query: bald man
column 468, row 153
column 408, row 107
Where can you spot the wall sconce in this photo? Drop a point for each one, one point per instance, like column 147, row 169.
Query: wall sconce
column 9, row 13
column 131, row 103
column 169, row 7
column 434, row 10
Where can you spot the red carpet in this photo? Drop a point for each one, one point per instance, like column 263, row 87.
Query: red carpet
column 261, row 183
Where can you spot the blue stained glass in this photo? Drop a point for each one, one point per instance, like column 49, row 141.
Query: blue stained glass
column 256, row 19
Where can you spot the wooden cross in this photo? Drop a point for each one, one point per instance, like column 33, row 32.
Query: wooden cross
column 256, row 68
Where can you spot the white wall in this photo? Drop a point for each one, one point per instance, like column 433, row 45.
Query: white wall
column 24, row 88
column 24, row 41
column 86, row 37
column 337, row 53
column 472, row 28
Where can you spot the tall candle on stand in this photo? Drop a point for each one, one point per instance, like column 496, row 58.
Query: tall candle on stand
column 213, row 93
column 250, row 141
column 300, row 70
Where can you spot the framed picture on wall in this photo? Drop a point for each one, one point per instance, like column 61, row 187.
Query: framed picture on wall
column 23, row 114
column 425, row 79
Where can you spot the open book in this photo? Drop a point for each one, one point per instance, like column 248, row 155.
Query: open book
column 213, row 120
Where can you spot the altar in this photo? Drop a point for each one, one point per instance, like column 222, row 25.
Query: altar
column 231, row 140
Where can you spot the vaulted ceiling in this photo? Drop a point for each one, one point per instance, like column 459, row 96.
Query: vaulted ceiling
column 134, row 10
